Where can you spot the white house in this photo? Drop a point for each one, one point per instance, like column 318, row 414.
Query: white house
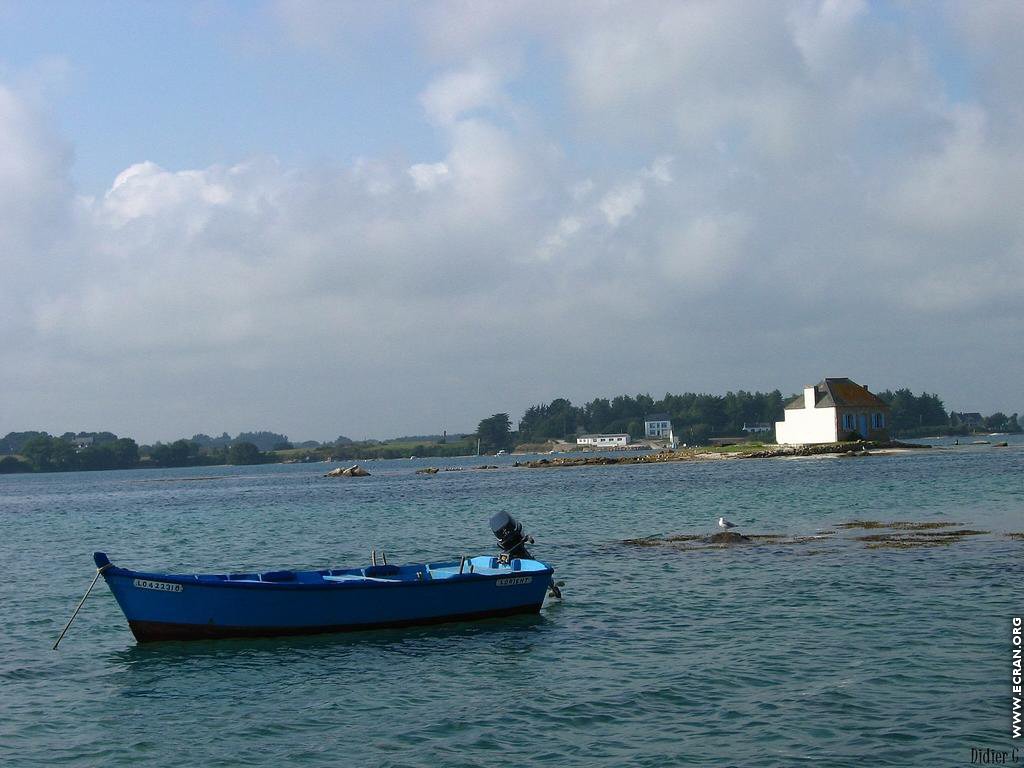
column 603, row 441
column 832, row 411
column 657, row 425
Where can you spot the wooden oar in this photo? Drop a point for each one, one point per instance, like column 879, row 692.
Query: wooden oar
column 80, row 604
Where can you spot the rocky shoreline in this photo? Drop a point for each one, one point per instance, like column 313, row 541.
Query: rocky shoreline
column 907, row 534
column 859, row 448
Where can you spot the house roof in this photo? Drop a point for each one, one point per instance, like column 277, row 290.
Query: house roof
column 840, row 393
column 656, row 417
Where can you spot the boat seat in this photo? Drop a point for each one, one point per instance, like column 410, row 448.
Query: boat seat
column 381, row 570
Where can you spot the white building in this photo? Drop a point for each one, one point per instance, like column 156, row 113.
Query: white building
column 603, row 441
column 834, row 410
column 657, row 425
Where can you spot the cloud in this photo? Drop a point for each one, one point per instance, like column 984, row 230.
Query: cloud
column 666, row 196
column 622, row 202
column 454, row 94
column 334, row 27
column 426, row 176
column 35, row 201
column 704, row 252
column 825, row 32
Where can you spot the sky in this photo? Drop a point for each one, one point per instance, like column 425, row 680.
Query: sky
column 380, row 219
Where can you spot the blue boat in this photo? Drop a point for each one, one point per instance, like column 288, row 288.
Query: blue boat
column 162, row 606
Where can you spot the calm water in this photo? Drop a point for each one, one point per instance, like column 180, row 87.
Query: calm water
column 824, row 653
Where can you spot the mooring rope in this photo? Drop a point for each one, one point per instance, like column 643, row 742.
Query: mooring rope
column 95, row 578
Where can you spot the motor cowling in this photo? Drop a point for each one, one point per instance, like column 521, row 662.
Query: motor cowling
column 509, row 533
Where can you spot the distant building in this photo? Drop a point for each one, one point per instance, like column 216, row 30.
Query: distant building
column 756, row 427
column 831, row 411
column 970, row 420
column 603, row 441
column 657, row 425
column 81, row 443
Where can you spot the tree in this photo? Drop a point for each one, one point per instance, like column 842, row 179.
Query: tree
column 915, row 412
column 495, row 432
column 10, row 465
column 263, row 439
column 13, row 442
column 126, row 453
column 244, row 453
column 999, row 422
column 50, row 454
column 205, row 441
column 39, row 452
column 558, row 420
column 180, row 453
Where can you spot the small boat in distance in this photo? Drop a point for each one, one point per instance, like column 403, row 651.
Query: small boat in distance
column 162, row 606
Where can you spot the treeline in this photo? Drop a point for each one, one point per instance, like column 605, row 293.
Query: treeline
column 189, row 453
column 41, row 452
column 263, row 440
column 925, row 414
column 695, row 417
column 997, row 422
column 375, row 450
column 698, row 417
column 13, row 442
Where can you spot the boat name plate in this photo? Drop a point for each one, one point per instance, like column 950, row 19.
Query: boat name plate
column 513, row 581
column 161, row 586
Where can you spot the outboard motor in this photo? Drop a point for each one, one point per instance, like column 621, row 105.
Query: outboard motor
column 509, row 533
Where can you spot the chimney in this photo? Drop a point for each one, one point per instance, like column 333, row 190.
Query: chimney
column 808, row 397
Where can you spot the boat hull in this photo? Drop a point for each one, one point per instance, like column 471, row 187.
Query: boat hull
column 154, row 631
column 172, row 607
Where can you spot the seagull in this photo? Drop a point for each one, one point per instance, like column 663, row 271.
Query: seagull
column 725, row 524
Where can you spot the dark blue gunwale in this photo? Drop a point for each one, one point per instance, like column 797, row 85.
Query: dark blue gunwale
column 196, row 580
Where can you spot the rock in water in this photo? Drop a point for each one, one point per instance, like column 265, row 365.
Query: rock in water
column 727, row 537
column 354, row 471
column 427, row 471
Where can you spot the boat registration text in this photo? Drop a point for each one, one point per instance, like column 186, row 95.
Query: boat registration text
column 161, row 586
column 514, row 580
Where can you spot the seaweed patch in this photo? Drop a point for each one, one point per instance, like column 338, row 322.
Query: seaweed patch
column 917, row 539
column 901, row 525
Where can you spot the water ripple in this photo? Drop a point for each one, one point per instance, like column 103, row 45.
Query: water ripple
column 822, row 654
